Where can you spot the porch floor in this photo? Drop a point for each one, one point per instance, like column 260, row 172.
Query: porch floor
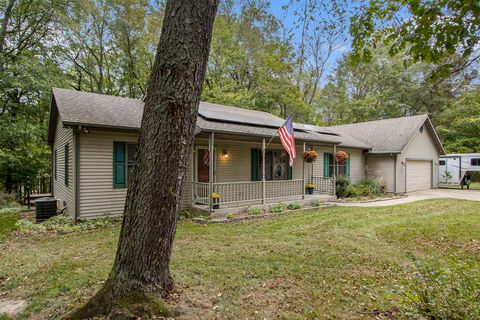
column 235, row 208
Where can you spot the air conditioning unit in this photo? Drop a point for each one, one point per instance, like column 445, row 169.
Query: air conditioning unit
column 45, row 208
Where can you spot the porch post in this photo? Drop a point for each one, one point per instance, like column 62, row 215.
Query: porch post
column 303, row 172
column 334, row 171
column 263, row 171
column 211, row 150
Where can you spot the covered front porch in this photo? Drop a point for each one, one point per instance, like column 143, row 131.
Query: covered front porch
column 249, row 171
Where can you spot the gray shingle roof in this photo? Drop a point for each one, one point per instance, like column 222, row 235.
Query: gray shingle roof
column 389, row 135
column 91, row 109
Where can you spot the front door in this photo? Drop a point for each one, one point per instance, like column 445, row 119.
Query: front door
column 203, row 165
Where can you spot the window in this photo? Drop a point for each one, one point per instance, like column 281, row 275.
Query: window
column 475, row 162
column 276, row 165
column 343, row 168
column 66, row 161
column 123, row 162
column 55, row 164
column 442, row 162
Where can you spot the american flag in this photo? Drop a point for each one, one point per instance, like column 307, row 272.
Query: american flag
column 206, row 157
column 288, row 140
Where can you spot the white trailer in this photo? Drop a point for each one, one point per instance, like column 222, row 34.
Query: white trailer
column 452, row 167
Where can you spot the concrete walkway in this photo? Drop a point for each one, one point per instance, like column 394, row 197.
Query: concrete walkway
column 473, row 195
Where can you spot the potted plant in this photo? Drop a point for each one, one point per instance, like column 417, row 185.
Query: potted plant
column 216, row 200
column 341, row 156
column 310, row 187
column 310, row 156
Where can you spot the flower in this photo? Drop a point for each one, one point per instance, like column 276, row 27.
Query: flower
column 310, row 186
column 341, row 156
column 310, row 156
column 215, row 195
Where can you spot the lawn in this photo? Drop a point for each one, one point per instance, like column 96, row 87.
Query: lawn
column 339, row 263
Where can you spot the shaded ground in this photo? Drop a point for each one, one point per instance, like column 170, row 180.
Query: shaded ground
column 339, row 263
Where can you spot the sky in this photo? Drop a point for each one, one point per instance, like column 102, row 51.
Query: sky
column 289, row 20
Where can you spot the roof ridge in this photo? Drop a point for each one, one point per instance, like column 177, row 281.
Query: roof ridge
column 425, row 115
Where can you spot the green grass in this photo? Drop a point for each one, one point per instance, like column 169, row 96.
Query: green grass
column 7, row 224
column 473, row 186
column 333, row 263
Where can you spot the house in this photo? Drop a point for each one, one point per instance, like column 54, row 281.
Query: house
column 453, row 167
column 93, row 139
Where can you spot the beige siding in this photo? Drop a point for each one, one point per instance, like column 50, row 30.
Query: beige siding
column 357, row 163
column 98, row 197
column 65, row 194
column 382, row 167
column 421, row 147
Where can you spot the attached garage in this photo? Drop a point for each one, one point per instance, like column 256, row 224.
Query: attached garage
column 419, row 175
column 404, row 151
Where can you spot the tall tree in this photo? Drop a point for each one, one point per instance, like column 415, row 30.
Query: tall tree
column 141, row 268
column 425, row 30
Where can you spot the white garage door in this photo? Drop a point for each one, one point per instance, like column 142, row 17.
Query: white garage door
column 419, row 175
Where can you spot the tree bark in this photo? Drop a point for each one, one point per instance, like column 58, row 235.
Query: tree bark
column 141, row 266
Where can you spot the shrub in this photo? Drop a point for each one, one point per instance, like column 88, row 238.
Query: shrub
column 342, row 184
column 315, row 203
column 278, row 208
column 230, row 216
column 368, row 187
column 254, row 212
column 8, row 200
column 63, row 224
column 14, row 209
column 184, row 214
column 294, row 206
column 441, row 290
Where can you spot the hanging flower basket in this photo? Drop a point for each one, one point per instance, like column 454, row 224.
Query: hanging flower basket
column 341, row 156
column 310, row 156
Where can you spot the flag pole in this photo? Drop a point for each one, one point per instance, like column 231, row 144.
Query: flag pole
column 277, row 131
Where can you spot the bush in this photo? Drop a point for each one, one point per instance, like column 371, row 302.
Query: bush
column 278, row 208
column 441, row 290
column 315, row 203
column 254, row 212
column 14, row 209
column 184, row 214
column 8, row 200
column 368, row 187
column 294, row 206
column 230, row 216
column 341, row 185
column 63, row 224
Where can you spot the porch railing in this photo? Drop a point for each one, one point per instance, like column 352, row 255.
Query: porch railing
column 231, row 192
column 200, row 192
column 323, row 184
column 283, row 188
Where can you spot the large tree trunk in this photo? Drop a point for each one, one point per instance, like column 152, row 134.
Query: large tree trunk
column 141, row 266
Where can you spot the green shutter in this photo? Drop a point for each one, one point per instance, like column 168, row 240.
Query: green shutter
column 254, row 158
column 289, row 172
column 326, row 165
column 348, row 166
column 119, row 165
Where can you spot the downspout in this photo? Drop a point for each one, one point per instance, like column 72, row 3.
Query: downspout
column 395, row 174
column 77, row 173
